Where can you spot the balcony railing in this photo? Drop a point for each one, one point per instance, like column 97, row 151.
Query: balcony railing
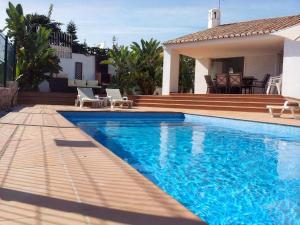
column 62, row 52
column 62, row 43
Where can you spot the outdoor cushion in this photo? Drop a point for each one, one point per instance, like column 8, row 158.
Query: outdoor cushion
column 71, row 83
column 80, row 83
column 293, row 104
column 92, row 83
column 62, row 75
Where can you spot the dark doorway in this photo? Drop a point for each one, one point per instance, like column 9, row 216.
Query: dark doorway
column 78, row 70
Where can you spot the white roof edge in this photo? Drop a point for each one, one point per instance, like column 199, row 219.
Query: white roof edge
column 221, row 41
column 292, row 32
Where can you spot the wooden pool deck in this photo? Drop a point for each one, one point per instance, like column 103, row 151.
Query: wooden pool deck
column 51, row 172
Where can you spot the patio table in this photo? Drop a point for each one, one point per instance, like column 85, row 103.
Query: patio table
column 96, row 104
column 104, row 103
column 248, row 83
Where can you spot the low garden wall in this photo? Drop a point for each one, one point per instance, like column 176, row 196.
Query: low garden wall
column 6, row 95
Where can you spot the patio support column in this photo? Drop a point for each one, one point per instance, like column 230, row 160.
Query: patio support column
column 170, row 72
column 202, row 67
column 291, row 68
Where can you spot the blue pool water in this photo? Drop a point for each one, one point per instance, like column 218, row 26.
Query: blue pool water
column 224, row 171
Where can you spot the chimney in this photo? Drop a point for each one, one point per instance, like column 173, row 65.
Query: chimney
column 214, row 18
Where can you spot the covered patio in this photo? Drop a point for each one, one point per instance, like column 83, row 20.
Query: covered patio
column 251, row 49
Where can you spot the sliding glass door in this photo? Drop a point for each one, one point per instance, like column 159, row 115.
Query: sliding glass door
column 227, row 65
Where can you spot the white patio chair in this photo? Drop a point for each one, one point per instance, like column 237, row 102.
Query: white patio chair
column 274, row 82
column 87, row 95
column 288, row 105
column 115, row 97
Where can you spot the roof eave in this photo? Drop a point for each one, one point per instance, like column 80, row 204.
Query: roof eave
column 221, row 41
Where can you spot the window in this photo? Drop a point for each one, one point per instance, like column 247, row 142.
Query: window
column 226, row 65
column 78, row 70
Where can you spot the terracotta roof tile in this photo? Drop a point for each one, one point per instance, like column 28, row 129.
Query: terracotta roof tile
column 242, row 29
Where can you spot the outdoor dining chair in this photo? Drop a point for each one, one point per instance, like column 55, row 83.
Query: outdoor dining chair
column 262, row 84
column 210, row 84
column 222, row 83
column 235, row 82
column 274, row 82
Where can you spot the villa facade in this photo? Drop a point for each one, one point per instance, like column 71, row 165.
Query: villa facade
column 252, row 48
column 78, row 66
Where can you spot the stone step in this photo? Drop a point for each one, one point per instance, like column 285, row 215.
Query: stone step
column 206, row 107
column 47, row 94
column 52, row 98
column 226, row 95
column 39, row 102
column 233, row 102
column 207, row 102
column 214, row 98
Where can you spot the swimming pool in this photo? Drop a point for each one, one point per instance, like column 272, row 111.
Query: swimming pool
column 225, row 171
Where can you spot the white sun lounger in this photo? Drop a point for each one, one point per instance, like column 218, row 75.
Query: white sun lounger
column 115, row 97
column 288, row 105
column 87, row 95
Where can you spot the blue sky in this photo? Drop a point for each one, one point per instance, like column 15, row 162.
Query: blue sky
column 130, row 20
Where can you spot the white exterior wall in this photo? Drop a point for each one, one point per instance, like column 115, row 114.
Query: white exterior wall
column 263, row 54
column 88, row 66
column 259, row 65
column 291, row 69
column 202, row 68
column 111, row 70
column 170, row 72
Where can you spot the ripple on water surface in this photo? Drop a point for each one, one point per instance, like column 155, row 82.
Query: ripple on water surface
column 225, row 171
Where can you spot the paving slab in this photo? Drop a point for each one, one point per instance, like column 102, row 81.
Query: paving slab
column 51, row 172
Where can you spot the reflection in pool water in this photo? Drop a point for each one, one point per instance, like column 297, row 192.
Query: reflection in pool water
column 225, row 171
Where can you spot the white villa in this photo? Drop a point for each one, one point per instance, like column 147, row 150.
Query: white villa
column 254, row 48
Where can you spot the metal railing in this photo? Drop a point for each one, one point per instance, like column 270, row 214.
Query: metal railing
column 61, row 39
column 7, row 60
column 62, row 43
column 62, row 52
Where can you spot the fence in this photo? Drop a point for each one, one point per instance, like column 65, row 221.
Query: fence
column 7, row 61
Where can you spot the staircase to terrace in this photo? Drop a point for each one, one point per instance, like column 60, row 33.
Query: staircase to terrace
column 51, row 98
column 225, row 102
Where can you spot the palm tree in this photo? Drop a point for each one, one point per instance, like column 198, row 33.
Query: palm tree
column 147, row 61
column 36, row 60
column 121, row 59
column 138, row 66
column 16, row 25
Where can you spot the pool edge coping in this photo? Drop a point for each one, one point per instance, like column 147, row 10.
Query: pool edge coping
column 102, row 147
column 180, row 112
